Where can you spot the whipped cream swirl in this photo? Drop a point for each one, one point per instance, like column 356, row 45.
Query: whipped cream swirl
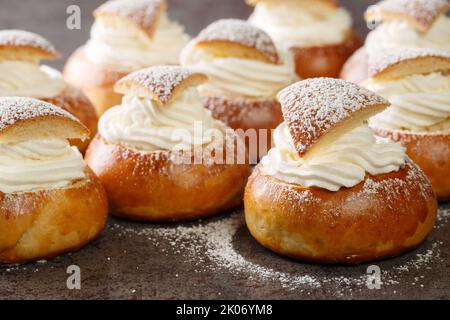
column 300, row 24
column 420, row 103
column 145, row 125
column 39, row 164
column 129, row 49
column 236, row 77
column 343, row 164
column 26, row 79
column 399, row 34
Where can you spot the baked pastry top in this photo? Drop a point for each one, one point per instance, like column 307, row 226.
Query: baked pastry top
column 161, row 110
column 131, row 35
column 421, row 14
column 20, row 72
column 302, row 23
column 408, row 24
column 36, row 154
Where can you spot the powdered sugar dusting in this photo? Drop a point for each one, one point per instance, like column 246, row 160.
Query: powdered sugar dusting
column 311, row 108
column 379, row 63
column 333, row 3
column 22, row 38
column 15, row 109
column 424, row 12
column 397, row 188
column 144, row 13
column 161, row 81
column 242, row 32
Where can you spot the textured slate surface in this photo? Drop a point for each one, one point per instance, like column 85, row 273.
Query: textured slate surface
column 215, row 258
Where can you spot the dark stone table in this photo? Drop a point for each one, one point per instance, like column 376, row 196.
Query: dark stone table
column 214, row 258
column 218, row 259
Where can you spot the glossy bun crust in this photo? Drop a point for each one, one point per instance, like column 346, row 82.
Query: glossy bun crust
column 152, row 187
column 76, row 103
column 44, row 224
column 431, row 152
column 383, row 216
column 325, row 61
column 96, row 82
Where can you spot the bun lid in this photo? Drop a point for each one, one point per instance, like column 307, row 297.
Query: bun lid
column 319, row 111
column 162, row 83
column 23, row 119
column 420, row 14
column 141, row 14
column 239, row 39
column 404, row 62
column 25, row 46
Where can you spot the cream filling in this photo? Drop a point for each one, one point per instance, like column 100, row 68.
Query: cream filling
column 145, row 125
column 26, row 79
column 301, row 24
column 420, row 103
column 399, row 34
column 128, row 49
column 237, row 77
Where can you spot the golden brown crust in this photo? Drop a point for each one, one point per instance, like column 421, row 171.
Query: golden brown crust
column 96, row 81
column 431, row 152
column 239, row 39
column 356, row 69
column 44, row 224
column 421, row 14
column 161, row 83
column 143, row 14
column 152, row 187
column 383, row 216
column 24, row 118
column 318, row 111
column 405, row 62
column 76, row 103
column 25, row 46
column 325, row 61
column 245, row 114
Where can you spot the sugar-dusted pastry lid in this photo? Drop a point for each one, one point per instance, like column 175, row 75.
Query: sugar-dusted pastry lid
column 25, row 46
column 239, row 39
column 319, row 111
column 420, row 14
column 141, row 14
column 161, row 83
column 400, row 63
column 24, row 119
column 329, row 3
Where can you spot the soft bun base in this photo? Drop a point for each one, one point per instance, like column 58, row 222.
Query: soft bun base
column 325, row 61
column 75, row 102
column 96, row 81
column 431, row 152
column 356, row 69
column 247, row 114
column 44, row 224
column 151, row 187
column 353, row 225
